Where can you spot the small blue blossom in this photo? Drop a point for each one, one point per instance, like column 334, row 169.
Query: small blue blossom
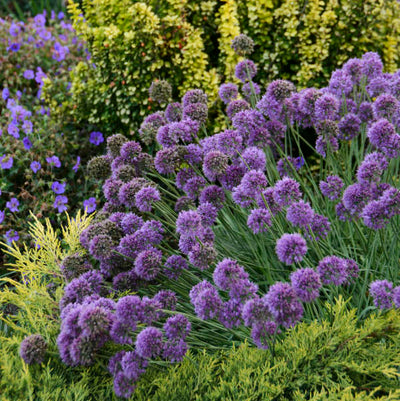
column 58, row 187
column 35, row 166
column 89, row 205
column 61, row 203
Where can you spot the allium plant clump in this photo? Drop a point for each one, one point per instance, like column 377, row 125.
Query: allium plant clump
column 233, row 236
column 41, row 150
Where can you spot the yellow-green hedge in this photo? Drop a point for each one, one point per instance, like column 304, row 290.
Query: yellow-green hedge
column 187, row 42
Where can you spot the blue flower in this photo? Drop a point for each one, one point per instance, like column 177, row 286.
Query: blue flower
column 58, row 188
column 78, row 163
column 29, row 74
column 6, row 162
column 12, row 235
column 27, row 143
column 89, row 205
column 13, row 204
column 53, row 161
column 35, row 166
column 96, row 138
column 2, row 215
column 60, row 203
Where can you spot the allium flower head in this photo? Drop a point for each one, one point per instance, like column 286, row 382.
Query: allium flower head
column 114, row 144
column 99, row 168
column 286, row 191
column 291, row 248
column 385, row 106
column 160, row 91
column 382, row 293
column 340, row 83
column 189, row 223
column 194, row 96
column 332, row 187
column 236, row 106
column 149, row 127
column 300, row 214
column 207, row 303
column 249, row 89
column 371, row 65
column 196, row 111
column 306, row 283
column 326, row 107
column 349, row 126
column 145, row 197
column 280, row 89
column 253, row 158
column 228, row 92
column 33, row 349
column 149, row 342
column 202, row 255
column 148, row 264
column 215, row 164
column 227, row 273
column 173, row 112
column 283, row 304
column 259, row 220
column 174, row 266
column 263, row 333
column 372, row 168
column 355, row 197
column 376, row 214
column 245, row 70
column 242, row 45
column 177, row 327
column 332, row 270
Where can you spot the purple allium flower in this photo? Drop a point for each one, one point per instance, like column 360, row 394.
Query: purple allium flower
column 332, row 187
column 283, row 304
column 12, row 205
column 174, row 350
column 189, row 223
column 230, row 314
column 53, row 161
column 227, row 273
column 95, row 321
column 194, row 154
column 60, row 203
column 352, row 270
column 229, row 142
column 174, row 266
column 355, row 197
column 340, row 83
column 266, row 200
column 89, row 205
column 385, row 106
column 291, row 248
column 196, row 111
column 377, row 86
column 262, row 333
column 253, row 126
column 253, row 158
column 326, row 107
column 396, row 296
column 173, row 112
column 353, row 68
column 148, row 264
column 319, row 228
column 145, row 197
column 111, row 190
column 130, row 151
column 280, row 89
column 372, row 168
column 129, row 310
column 194, row 96
column 128, row 191
column 306, row 283
column 96, row 138
column 215, row 164
column 177, row 327
column 208, row 214
column 382, row 293
column 255, row 310
column 184, row 203
column 376, row 214
column 236, row 106
column 202, row 255
column 214, row 195
column 167, row 160
column 149, row 342
column 365, row 112
column 29, row 74
column 207, row 303
column 33, row 349
column 12, row 235
column 228, row 92
column 6, row 162
column 259, row 220
column 391, row 198
column 232, row 177
column 58, row 188
column 300, row 214
column 332, row 270
column 349, row 126
column 101, row 246
column 286, row 191
column 133, row 365
column 381, row 134
column 371, row 65
column 245, row 70
column 123, row 387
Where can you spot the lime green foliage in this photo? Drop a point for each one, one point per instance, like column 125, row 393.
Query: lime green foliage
column 306, row 40
column 133, row 43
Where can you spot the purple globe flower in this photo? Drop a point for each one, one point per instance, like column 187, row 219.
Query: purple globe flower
column 174, row 266
column 177, row 327
column 245, row 70
column 33, row 349
column 259, row 220
column 332, row 270
column 148, row 264
column 382, row 293
column 228, row 92
column 291, row 248
column 286, row 191
column 262, row 333
column 300, row 214
column 306, row 283
column 332, row 187
column 227, row 273
column 149, row 342
column 283, row 304
column 189, row 223
column 145, row 197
